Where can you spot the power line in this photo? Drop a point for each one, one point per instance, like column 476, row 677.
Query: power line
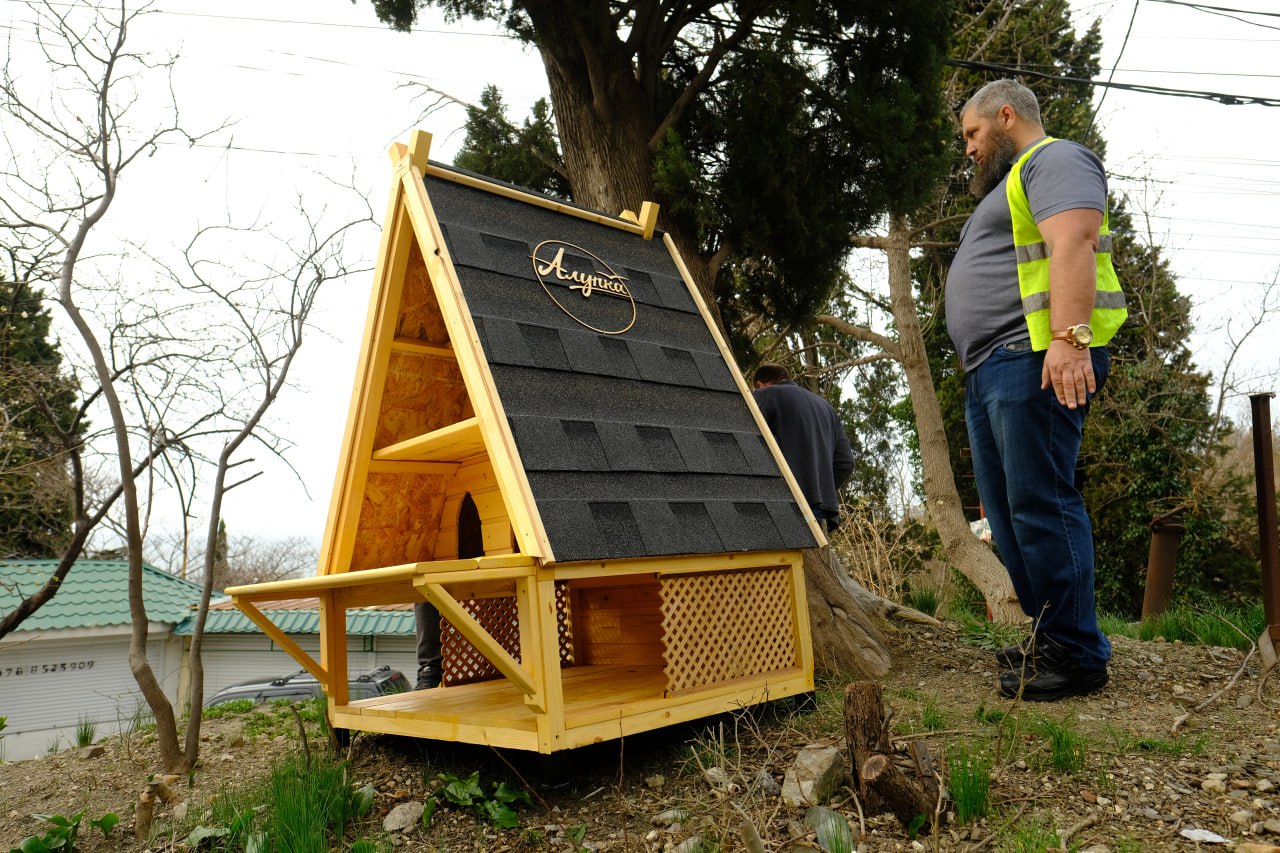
column 1226, row 12
column 1128, row 32
column 1221, row 97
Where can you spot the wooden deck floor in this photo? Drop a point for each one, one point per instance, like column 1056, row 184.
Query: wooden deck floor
column 601, row 702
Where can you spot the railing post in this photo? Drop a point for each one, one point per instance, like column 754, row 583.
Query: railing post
column 1264, row 469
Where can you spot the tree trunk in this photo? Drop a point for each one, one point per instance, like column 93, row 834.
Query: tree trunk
column 605, row 130
column 963, row 550
column 848, row 633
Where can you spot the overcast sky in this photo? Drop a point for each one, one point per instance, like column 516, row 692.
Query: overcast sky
column 321, row 88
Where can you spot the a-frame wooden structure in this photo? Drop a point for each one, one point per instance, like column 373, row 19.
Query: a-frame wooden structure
column 552, row 372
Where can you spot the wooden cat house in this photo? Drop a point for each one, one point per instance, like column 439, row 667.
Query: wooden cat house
column 545, row 384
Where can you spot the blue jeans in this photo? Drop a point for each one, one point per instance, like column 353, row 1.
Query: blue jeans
column 1025, row 445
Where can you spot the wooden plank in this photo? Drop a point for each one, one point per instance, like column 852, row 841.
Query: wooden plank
column 502, row 565
column 545, row 639
column 413, row 469
column 453, row 443
column 281, row 639
column 536, row 200
column 800, row 616
column 333, row 648
column 408, row 727
column 413, row 346
column 419, row 148
column 591, row 707
column 592, row 572
column 338, row 542
column 632, row 719
column 745, row 390
column 516, row 491
column 648, row 219
column 480, row 638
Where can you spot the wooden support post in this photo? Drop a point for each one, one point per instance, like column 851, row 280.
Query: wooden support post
column 333, row 647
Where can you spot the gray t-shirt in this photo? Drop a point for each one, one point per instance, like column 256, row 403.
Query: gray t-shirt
column 984, row 308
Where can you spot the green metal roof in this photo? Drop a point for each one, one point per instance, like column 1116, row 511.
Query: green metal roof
column 95, row 594
column 360, row 623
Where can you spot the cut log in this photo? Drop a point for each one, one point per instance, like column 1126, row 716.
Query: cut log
column 899, row 794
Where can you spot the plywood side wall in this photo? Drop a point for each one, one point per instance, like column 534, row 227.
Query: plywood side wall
column 399, row 520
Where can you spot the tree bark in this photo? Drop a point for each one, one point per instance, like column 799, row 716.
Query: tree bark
column 848, row 633
column 903, row 797
column 963, row 550
column 865, row 735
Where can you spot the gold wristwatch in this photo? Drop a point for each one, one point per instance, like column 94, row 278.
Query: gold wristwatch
column 1079, row 335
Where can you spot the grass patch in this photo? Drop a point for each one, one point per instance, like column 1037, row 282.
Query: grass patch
column 1175, row 748
column 303, row 807
column 969, row 771
column 931, row 717
column 1031, row 835
column 277, row 718
column 86, row 731
column 1066, row 746
column 990, row 716
column 925, row 599
column 1210, row 626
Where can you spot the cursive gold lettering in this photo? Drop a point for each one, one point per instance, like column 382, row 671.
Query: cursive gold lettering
column 586, row 283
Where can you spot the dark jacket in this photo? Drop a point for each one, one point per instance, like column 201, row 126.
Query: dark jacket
column 812, row 440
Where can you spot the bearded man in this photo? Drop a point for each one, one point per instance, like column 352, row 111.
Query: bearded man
column 1031, row 302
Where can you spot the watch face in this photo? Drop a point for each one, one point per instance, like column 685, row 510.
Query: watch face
column 1082, row 335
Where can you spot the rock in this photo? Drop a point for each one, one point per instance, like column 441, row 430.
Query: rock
column 1096, row 848
column 1144, row 675
column 670, row 817
column 180, row 811
column 1214, row 786
column 1244, row 700
column 1272, row 826
column 94, row 751
column 1264, row 785
column 716, row 777
column 1088, row 796
column 767, row 785
column 1242, row 818
column 1149, row 813
column 689, row 845
column 403, row 817
column 1254, row 847
column 813, row 776
column 1104, row 801
column 656, row 781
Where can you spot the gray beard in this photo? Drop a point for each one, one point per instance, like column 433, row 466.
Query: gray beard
column 988, row 173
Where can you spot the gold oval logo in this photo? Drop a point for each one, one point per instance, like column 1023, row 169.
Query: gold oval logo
column 587, row 276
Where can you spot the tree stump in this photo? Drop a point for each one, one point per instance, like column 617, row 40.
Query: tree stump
column 899, row 794
column 881, row 785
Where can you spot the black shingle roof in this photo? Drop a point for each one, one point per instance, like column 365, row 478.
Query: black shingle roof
column 635, row 444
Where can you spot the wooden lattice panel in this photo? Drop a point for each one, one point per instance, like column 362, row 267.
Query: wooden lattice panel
column 463, row 663
column 726, row 625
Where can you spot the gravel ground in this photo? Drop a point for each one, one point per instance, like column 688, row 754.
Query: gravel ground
column 1142, row 786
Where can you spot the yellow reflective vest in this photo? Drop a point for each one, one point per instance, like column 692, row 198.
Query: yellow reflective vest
column 1109, row 310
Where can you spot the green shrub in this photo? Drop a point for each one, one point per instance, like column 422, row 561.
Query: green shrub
column 86, row 731
column 228, row 709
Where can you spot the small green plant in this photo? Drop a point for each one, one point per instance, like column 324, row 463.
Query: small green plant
column 1033, row 835
column 990, row 716
column 494, row 803
column 86, row 731
column 63, row 831
column 1066, row 746
column 966, row 599
column 1213, row 626
column 228, row 709
column 931, row 717
column 925, row 599
column 969, row 770
column 989, row 635
column 1181, row 745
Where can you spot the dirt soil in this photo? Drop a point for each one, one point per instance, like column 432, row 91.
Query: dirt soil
column 1142, row 784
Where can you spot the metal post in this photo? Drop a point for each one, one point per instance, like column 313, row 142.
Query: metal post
column 1264, row 470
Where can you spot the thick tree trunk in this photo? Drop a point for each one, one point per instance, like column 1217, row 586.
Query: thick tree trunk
column 963, row 550
column 848, row 632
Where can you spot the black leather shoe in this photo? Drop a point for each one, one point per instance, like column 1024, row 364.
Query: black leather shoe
column 1015, row 656
column 427, row 679
column 1042, row 684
